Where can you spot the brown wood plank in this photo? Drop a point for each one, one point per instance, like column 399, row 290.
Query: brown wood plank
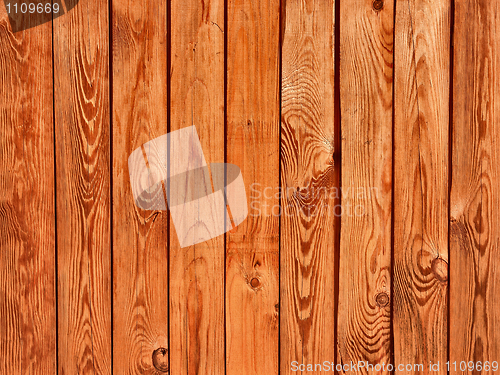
column 252, row 143
column 475, row 195
column 309, row 184
column 27, row 205
column 366, row 45
column 197, row 271
column 81, row 89
column 140, row 237
column 421, row 192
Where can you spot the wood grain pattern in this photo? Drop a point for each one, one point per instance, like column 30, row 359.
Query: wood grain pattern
column 140, row 238
column 353, row 214
column 421, row 176
column 309, row 181
column 366, row 61
column 81, row 92
column 252, row 143
column 27, row 206
column 197, row 272
column 475, row 195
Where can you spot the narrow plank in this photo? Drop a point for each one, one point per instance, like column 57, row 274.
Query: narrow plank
column 421, row 191
column 309, row 182
column 197, row 271
column 81, row 89
column 366, row 59
column 27, row 204
column 140, row 237
column 475, row 196
column 252, row 143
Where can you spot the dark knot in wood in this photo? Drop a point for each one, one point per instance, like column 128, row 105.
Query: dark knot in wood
column 382, row 299
column 255, row 282
column 440, row 269
column 378, row 5
column 160, row 360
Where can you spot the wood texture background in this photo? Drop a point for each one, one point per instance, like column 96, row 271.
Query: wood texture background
column 366, row 133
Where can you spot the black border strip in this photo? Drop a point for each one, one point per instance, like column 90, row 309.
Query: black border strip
column 337, row 157
column 169, row 89
column 450, row 168
column 281, row 25
column 56, row 243
column 393, row 185
column 225, row 174
column 111, row 184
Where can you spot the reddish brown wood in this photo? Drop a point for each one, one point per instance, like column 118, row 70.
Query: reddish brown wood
column 140, row 237
column 252, row 143
column 197, row 271
column 421, row 183
column 366, row 60
column 475, row 195
column 27, row 203
column 309, row 178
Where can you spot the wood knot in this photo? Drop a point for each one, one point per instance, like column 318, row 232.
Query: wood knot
column 440, row 269
column 255, row 282
column 160, row 359
column 378, row 5
column 382, row 299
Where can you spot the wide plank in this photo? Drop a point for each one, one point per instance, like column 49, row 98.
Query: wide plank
column 309, row 186
column 366, row 65
column 252, row 143
column 140, row 236
column 81, row 107
column 475, row 194
column 197, row 271
column 421, row 183
column 27, row 202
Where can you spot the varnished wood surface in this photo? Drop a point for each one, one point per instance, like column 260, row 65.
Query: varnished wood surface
column 197, row 271
column 366, row 136
column 27, row 202
column 421, row 182
column 140, row 237
column 366, row 78
column 82, row 143
column 252, row 143
column 474, row 215
column 309, row 175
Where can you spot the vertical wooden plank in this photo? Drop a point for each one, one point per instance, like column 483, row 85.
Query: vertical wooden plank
column 421, row 192
column 197, row 271
column 27, row 206
column 140, row 237
column 252, row 143
column 309, row 182
column 475, row 195
column 366, row 47
column 81, row 88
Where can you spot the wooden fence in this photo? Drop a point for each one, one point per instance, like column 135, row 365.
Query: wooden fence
column 365, row 133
